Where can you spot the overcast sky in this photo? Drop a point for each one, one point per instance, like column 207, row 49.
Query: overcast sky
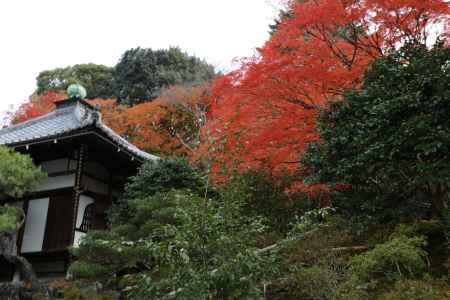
column 45, row 34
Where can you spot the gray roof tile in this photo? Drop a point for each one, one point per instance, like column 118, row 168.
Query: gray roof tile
column 65, row 120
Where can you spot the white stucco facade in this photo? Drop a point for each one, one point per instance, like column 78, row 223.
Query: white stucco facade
column 36, row 220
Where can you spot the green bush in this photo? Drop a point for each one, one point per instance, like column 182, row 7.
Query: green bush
column 159, row 176
column 436, row 234
column 81, row 269
column 446, row 221
column 389, row 140
column 410, row 290
column 315, row 283
column 267, row 196
column 400, row 256
column 18, row 174
column 8, row 218
column 77, row 293
column 168, row 232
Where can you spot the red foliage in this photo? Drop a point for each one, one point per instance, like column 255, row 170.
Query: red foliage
column 37, row 106
column 263, row 115
column 167, row 125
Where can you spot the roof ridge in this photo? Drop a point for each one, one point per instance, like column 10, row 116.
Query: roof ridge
column 124, row 142
column 53, row 114
column 50, row 115
column 63, row 120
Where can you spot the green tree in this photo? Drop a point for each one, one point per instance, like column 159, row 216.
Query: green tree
column 177, row 241
column 18, row 175
column 268, row 195
column 390, row 141
column 97, row 79
column 141, row 74
column 157, row 177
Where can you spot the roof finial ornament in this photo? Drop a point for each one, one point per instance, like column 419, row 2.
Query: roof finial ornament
column 76, row 91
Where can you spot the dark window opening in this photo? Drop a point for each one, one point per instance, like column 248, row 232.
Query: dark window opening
column 88, row 216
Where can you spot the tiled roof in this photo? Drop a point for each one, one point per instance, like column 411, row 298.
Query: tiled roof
column 64, row 120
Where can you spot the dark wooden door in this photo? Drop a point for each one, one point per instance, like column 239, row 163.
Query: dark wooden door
column 58, row 231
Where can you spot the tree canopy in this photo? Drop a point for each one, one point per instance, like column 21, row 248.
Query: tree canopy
column 97, row 79
column 142, row 74
column 181, row 240
column 325, row 155
column 18, row 174
column 392, row 136
column 263, row 115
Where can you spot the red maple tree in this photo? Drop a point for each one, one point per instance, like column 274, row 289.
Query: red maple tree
column 168, row 125
column 263, row 115
column 36, row 106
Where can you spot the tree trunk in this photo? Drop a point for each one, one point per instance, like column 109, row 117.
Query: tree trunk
column 24, row 274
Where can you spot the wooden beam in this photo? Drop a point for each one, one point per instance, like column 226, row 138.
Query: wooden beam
column 78, row 190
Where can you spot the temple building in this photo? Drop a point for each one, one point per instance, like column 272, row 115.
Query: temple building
column 87, row 165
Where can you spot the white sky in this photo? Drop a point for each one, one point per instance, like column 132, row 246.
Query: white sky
column 45, row 34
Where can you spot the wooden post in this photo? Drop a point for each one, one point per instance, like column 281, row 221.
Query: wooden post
column 77, row 188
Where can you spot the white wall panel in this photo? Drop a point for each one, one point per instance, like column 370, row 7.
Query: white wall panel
column 58, row 165
column 57, row 182
column 35, row 223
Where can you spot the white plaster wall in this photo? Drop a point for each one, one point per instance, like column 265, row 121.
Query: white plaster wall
column 57, row 182
column 83, row 202
column 35, row 223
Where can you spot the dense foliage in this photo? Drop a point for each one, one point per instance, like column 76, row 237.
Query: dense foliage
column 327, row 158
column 171, row 237
column 141, row 74
column 36, row 106
column 156, row 177
column 8, row 218
column 97, row 79
column 269, row 196
column 154, row 98
column 18, row 174
column 389, row 142
column 263, row 115
column 255, row 237
column 168, row 125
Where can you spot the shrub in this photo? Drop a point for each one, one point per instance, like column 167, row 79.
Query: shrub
column 400, row 256
column 410, row 290
column 83, row 270
column 8, row 218
column 154, row 177
column 269, row 196
column 315, row 283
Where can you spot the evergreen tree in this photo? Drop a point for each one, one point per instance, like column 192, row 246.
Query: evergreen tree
column 97, row 79
column 18, row 175
column 172, row 238
column 390, row 142
column 142, row 74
